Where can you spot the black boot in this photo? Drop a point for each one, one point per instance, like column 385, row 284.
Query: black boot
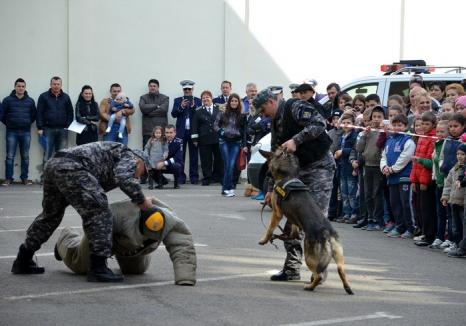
column 175, row 184
column 286, row 275
column 56, row 254
column 99, row 272
column 24, row 264
column 151, row 183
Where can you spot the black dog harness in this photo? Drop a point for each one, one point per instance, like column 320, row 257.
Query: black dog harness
column 285, row 187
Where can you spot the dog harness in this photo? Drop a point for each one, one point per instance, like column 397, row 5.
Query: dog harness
column 285, row 187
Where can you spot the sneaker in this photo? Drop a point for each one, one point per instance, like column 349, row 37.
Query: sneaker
column 352, row 220
column 390, row 226
column 120, row 135
column 342, row 219
column 436, row 244
column 393, row 234
column 7, row 182
column 361, row 224
column 108, row 130
column 230, row 193
column 260, row 196
column 445, row 244
column 224, row 192
column 26, row 182
column 419, row 238
column 373, row 227
column 285, row 275
column 458, row 253
column 422, row 243
column 406, row 235
column 452, row 247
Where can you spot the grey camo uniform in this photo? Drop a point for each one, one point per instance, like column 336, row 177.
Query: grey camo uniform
column 80, row 177
column 318, row 176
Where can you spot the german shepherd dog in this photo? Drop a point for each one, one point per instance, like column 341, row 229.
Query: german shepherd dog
column 321, row 241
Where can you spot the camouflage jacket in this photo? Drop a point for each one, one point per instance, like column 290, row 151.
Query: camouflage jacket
column 112, row 164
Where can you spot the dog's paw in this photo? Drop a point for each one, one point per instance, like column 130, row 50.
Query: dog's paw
column 308, row 287
column 263, row 241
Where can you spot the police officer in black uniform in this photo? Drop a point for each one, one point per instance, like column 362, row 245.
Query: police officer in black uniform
column 298, row 127
column 205, row 137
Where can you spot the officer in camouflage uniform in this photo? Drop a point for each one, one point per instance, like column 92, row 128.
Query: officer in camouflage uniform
column 298, row 127
column 136, row 234
column 80, row 177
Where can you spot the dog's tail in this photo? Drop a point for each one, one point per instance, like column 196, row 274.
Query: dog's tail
column 325, row 252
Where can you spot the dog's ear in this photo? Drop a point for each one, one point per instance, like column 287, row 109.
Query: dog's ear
column 266, row 154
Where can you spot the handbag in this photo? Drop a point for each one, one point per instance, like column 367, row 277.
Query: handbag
column 241, row 160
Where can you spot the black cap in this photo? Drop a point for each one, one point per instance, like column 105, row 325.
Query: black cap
column 337, row 113
column 303, row 88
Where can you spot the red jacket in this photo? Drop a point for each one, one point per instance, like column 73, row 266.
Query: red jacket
column 424, row 149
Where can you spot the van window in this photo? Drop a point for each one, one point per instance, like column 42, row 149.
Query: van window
column 363, row 89
column 399, row 88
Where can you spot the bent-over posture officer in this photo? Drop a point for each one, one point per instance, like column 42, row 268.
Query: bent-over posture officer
column 136, row 234
column 298, row 127
column 80, row 177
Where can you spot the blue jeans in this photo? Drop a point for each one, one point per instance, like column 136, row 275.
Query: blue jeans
column 113, row 135
column 229, row 151
column 349, row 192
column 13, row 138
column 56, row 140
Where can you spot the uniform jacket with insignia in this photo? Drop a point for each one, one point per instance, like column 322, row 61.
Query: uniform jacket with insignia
column 175, row 152
column 181, row 114
column 202, row 129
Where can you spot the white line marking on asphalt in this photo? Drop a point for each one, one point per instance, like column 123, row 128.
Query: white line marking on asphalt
column 126, row 287
column 376, row 315
column 230, row 216
column 30, row 216
column 59, row 228
column 45, row 254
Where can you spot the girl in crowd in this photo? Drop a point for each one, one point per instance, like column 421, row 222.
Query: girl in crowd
column 359, row 103
column 157, row 150
column 231, row 127
column 87, row 112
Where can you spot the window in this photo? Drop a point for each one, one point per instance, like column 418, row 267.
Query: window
column 399, row 87
column 362, row 89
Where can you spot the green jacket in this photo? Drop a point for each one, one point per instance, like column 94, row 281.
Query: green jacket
column 437, row 175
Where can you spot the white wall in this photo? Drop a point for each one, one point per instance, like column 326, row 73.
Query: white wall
column 265, row 41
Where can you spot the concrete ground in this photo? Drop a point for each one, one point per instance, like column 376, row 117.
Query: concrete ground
column 395, row 283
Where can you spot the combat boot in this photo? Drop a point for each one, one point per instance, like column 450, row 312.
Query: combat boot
column 24, row 264
column 99, row 272
column 286, row 275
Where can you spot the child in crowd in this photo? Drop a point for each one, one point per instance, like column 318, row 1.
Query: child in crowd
column 348, row 182
column 157, row 150
column 460, row 105
column 359, row 103
column 460, row 252
column 421, row 180
column 373, row 179
column 335, row 134
column 456, row 127
column 396, row 165
column 396, row 99
column 393, row 111
column 119, row 103
column 454, row 196
column 437, row 175
column 447, row 107
column 344, row 101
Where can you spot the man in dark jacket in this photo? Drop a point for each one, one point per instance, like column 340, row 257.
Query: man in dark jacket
column 80, row 177
column 205, row 137
column 183, row 110
column 19, row 112
column 154, row 109
column 298, row 127
column 174, row 162
column 54, row 115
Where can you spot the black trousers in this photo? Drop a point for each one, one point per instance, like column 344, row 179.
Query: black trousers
column 211, row 162
column 428, row 210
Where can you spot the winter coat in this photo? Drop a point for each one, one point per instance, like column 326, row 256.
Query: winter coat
column 156, row 150
column 422, row 168
column 54, row 111
column 398, row 152
column 448, row 154
column 87, row 113
column 154, row 109
column 105, row 112
column 347, row 145
column 19, row 113
column 438, row 175
column 367, row 146
column 454, row 195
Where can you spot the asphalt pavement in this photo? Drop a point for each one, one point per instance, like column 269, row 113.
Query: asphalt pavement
column 395, row 282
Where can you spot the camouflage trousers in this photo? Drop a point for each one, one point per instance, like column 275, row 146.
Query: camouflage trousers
column 319, row 177
column 66, row 183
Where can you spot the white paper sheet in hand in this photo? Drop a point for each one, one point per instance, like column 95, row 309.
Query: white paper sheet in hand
column 76, row 127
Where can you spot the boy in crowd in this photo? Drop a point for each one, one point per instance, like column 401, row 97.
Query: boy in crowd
column 373, row 179
column 348, row 181
column 460, row 252
column 335, row 134
column 421, row 180
column 396, row 165
column 442, row 133
column 454, row 196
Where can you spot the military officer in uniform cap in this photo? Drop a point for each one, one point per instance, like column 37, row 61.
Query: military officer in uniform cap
column 136, row 234
column 298, row 127
column 293, row 87
column 80, row 177
column 276, row 90
column 183, row 111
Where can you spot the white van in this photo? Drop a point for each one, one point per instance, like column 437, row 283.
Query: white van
column 394, row 81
